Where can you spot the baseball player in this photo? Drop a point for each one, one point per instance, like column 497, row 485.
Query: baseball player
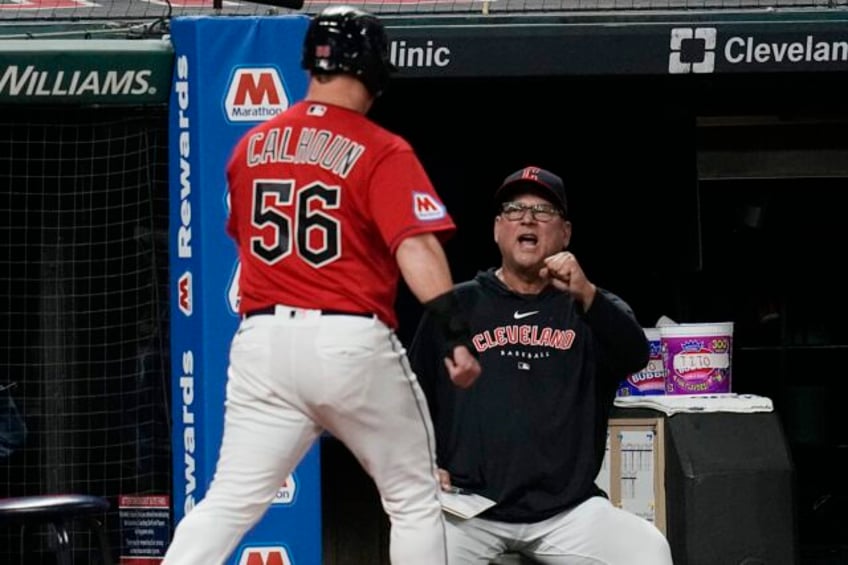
column 531, row 434
column 328, row 210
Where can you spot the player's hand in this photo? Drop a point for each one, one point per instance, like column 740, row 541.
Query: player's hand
column 463, row 368
column 444, row 479
column 564, row 273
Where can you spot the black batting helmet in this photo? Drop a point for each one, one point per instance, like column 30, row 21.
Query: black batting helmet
column 347, row 40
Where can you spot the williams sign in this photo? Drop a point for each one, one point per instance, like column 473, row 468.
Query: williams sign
column 108, row 71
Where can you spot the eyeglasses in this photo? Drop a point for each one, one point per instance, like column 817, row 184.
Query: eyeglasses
column 514, row 211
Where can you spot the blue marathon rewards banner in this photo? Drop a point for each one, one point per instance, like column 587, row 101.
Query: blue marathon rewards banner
column 230, row 73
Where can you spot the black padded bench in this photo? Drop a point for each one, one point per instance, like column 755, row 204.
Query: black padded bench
column 58, row 512
column 512, row 559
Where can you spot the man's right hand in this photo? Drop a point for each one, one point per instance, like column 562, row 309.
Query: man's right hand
column 463, row 368
column 444, row 479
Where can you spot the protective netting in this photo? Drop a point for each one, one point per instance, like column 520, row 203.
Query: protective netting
column 133, row 10
column 83, row 281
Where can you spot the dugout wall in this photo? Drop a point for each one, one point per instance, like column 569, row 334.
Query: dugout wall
column 83, row 278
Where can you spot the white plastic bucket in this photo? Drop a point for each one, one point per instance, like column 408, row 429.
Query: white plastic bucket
column 697, row 357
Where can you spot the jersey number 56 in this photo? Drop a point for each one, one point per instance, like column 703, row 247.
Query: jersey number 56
column 311, row 233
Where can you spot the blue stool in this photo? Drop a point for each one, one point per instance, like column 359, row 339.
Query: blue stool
column 58, row 511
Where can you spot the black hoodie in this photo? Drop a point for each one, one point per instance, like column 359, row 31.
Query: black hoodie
column 531, row 432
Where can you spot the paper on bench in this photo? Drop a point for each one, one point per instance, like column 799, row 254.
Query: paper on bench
column 695, row 403
column 465, row 505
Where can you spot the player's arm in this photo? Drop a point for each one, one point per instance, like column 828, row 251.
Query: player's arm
column 424, row 266
column 425, row 270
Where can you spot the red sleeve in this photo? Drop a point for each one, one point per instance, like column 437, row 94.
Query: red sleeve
column 403, row 201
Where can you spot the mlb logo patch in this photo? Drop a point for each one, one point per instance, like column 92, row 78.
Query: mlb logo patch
column 426, row 207
column 316, row 110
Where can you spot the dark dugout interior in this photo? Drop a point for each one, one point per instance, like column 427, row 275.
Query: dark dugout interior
column 760, row 246
column 624, row 151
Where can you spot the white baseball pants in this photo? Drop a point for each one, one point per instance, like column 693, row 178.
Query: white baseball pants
column 593, row 533
column 291, row 376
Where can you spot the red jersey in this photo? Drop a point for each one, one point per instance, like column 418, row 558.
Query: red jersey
column 320, row 199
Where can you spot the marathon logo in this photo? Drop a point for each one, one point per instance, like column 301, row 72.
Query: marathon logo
column 285, row 494
column 185, row 295
column 426, row 207
column 234, row 290
column 698, row 50
column 276, row 555
column 255, row 94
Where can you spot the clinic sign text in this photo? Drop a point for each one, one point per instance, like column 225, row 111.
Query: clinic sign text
column 638, row 48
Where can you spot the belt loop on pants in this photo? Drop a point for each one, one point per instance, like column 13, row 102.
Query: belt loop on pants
column 295, row 312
